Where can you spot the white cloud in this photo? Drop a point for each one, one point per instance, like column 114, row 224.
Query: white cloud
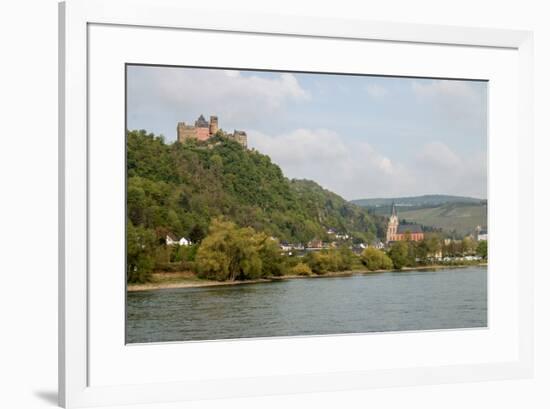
column 437, row 155
column 441, row 170
column 227, row 87
column 301, row 145
column 238, row 98
column 458, row 101
column 324, row 156
column 356, row 169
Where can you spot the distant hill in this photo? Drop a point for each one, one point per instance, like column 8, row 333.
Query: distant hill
column 453, row 214
column 461, row 218
column 420, row 201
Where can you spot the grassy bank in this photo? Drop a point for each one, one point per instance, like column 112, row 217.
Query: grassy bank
column 189, row 280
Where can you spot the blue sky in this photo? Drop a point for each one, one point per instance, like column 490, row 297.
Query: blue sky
column 359, row 136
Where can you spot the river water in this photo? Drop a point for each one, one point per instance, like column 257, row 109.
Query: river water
column 392, row 301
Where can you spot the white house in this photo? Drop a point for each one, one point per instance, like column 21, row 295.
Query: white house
column 377, row 244
column 285, row 246
column 481, row 234
column 172, row 241
column 184, row 242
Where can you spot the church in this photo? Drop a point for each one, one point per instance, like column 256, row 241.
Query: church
column 399, row 232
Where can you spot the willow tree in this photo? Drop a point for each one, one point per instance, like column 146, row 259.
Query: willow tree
column 229, row 253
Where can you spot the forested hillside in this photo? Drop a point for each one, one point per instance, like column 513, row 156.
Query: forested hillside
column 179, row 188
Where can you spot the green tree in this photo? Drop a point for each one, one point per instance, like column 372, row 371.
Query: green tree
column 216, row 163
column 196, row 234
column 140, row 252
column 184, row 253
column 412, row 248
column 421, row 251
column 270, row 254
column 376, row 259
column 468, row 245
column 230, row 253
column 318, row 261
column 455, row 248
column 399, row 254
column 482, row 249
column 433, row 245
column 346, row 259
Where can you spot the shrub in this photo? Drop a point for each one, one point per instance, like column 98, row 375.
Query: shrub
column 376, row 259
column 325, row 261
column 301, row 269
column 320, row 262
column 187, row 266
column 346, row 259
column 184, row 253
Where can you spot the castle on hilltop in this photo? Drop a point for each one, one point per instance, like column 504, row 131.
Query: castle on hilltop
column 399, row 232
column 204, row 130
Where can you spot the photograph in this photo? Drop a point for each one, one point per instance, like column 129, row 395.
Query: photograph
column 264, row 203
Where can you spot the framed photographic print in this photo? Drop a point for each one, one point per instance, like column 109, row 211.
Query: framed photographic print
column 353, row 197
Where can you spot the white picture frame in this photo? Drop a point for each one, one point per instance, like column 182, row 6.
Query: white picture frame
column 75, row 388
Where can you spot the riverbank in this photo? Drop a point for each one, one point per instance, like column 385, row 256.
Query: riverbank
column 190, row 280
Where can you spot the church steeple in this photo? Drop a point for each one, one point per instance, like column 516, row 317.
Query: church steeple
column 393, row 209
column 393, row 223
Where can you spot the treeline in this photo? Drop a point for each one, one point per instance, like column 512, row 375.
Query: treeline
column 229, row 252
column 179, row 189
column 429, row 251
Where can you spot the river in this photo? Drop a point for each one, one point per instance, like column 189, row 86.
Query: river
column 391, row 301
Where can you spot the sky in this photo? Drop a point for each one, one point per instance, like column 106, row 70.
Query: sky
column 358, row 136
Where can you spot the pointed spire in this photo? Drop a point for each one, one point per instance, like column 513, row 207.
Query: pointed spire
column 201, row 122
column 393, row 209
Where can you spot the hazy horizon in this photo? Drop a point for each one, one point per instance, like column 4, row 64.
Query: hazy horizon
column 362, row 137
column 409, row 197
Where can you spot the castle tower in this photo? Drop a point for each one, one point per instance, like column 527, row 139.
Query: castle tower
column 201, row 122
column 240, row 136
column 393, row 224
column 202, row 129
column 185, row 132
column 213, row 125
